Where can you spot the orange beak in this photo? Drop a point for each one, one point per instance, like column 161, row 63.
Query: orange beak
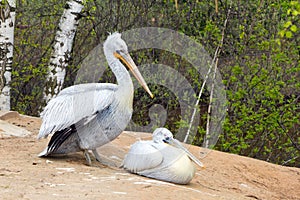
column 127, row 60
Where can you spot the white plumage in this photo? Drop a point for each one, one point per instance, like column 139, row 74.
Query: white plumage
column 74, row 104
column 86, row 116
column 163, row 158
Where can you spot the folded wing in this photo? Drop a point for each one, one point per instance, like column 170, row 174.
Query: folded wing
column 74, row 104
column 142, row 156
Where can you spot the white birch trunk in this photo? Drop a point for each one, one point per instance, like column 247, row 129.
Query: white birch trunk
column 62, row 48
column 7, row 24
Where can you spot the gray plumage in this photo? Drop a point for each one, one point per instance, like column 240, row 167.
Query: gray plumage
column 163, row 158
column 86, row 116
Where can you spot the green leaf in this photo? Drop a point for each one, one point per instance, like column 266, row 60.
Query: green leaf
column 295, row 13
column 287, row 24
column 281, row 33
column 294, row 28
column 288, row 34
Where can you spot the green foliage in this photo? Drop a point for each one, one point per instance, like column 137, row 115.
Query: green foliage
column 259, row 63
column 36, row 23
column 263, row 90
column 290, row 27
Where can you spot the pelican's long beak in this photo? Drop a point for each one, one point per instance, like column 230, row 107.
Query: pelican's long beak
column 126, row 58
column 177, row 144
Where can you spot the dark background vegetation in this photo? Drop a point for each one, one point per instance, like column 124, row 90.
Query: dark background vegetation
column 259, row 63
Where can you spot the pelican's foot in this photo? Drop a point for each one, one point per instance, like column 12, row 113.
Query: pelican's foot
column 101, row 160
column 87, row 157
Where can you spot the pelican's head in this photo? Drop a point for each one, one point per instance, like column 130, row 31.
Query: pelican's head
column 114, row 43
column 164, row 135
column 115, row 48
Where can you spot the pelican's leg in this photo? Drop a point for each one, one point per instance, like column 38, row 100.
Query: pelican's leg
column 97, row 156
column 103, row 161
column 87, row 157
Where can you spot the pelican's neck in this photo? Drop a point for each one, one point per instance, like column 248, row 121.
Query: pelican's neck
column 124, row 81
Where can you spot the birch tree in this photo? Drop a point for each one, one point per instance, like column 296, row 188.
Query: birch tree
column 62, row 48
column 7, row 24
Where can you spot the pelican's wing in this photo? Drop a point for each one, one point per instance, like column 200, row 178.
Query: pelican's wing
column 74, row 104
column 142, row 156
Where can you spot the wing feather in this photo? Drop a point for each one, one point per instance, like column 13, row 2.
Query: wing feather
column 74, row 104
column 142, row 156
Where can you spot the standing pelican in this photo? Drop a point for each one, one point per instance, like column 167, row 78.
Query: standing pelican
column 163, row 158
column 86, row 116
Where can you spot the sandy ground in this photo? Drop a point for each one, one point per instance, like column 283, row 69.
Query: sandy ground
column 23, row 175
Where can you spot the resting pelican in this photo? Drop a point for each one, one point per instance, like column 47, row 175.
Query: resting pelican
column 86, row 116
column 163, row 158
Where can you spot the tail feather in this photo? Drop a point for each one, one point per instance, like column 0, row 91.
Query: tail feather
column 57, row 140
column 44, row 152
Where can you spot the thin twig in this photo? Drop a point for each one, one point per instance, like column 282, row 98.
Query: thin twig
column 209, row 105
column 287, row 161
column 216, row 4
column 206, row 77
column 214, row 77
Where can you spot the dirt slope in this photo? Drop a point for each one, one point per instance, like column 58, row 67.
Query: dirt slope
column 25, row 176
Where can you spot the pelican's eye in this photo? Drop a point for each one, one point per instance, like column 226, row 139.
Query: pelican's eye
column 166, row 140
column 121, row 51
